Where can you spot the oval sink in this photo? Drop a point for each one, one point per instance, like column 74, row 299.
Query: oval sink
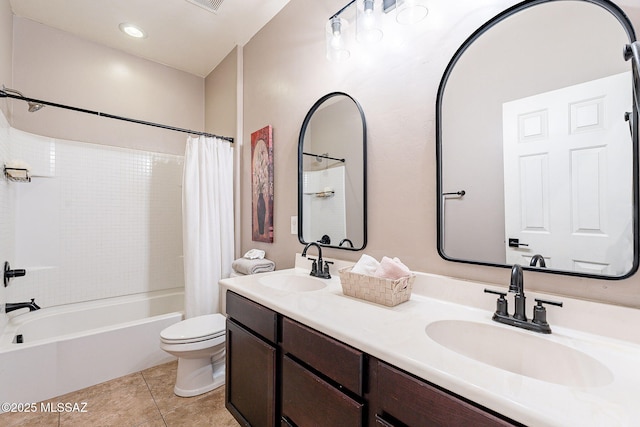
column 293, row 283
column 520, row 352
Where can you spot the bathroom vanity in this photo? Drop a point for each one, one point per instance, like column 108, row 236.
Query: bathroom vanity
column 301, row 353
column 323, row 381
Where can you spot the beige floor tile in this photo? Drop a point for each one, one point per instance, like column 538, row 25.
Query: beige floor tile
column 144, row 399
column 207, row 411
column 36, row 419
column 161, row 380
column 125, row 401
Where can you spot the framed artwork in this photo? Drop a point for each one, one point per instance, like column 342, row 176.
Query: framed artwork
column 262, row 185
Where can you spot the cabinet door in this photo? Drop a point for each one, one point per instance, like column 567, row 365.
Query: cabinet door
column 251, row 377
column 309, row 401
column 405, row 400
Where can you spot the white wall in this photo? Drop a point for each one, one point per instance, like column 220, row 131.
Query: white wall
column 52, row 65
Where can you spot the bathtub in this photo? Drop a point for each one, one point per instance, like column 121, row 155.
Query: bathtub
column 70, row 347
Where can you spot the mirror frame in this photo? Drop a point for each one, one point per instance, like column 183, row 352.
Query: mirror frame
column 303, row 130
column 628, row 28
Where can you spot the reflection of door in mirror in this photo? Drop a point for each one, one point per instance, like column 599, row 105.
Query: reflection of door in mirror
column 569, row 215
column 584, row 190
column 332, row 175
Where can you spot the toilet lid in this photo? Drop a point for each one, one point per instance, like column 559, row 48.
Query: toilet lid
column 195, row 329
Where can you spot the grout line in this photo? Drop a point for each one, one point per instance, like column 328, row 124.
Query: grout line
column 153, row 398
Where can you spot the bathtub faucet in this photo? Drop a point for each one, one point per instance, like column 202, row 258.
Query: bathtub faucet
column 11, row 306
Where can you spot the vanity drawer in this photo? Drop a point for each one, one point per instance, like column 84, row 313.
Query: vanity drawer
column 253, row 316
column 414, row 402
column 335, row 360
column 308, row 400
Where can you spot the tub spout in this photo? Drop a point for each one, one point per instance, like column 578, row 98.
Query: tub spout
column 11, row 306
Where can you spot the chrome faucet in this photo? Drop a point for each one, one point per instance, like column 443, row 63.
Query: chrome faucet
column 11, row 306
column 317, row 268
column 537, row 259
column 519, row 318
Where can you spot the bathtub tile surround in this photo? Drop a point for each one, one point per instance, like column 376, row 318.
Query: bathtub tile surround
column 95, row 222
column 143, row 398
column 6, row 209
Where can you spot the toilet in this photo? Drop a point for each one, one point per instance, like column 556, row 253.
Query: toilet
column 199, row 345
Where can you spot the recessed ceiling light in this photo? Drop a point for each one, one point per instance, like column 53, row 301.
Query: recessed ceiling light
column 132, row 30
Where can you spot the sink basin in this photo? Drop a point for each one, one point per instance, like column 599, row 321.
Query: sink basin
column 292, row 283
column 520, row 352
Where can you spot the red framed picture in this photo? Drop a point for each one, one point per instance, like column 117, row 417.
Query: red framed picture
column 262, row 185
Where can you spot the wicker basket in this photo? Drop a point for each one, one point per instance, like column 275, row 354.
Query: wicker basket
column 376, row 289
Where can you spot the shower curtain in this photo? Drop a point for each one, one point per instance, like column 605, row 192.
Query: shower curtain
column 207, row 222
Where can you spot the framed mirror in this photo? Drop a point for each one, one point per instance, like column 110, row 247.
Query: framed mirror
column 537, row 142
column 332, row 174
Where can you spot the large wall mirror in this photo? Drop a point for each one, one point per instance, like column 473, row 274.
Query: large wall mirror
column 537, row 142
column 332, row 158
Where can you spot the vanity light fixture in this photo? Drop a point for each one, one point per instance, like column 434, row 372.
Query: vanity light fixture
column 132, row 30
column 411, row 11
column 335, row 39
column 368, row 23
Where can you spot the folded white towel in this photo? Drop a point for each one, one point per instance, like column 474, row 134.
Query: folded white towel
column 366, row 265
column 252, row 266
column 391, row 269
column 254, row 254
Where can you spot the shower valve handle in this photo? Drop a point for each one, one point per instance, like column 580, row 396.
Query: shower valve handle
column 10, row 274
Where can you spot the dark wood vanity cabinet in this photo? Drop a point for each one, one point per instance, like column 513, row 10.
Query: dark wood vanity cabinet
column 280, row 372
column 308, row 400
column 400, row 400
column 251, row 362
column 322, row 379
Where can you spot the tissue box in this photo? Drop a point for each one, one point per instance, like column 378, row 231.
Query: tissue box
column 376, row 289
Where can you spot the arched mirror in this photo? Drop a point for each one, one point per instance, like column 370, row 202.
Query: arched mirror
column 537, row 142
column 332, row 174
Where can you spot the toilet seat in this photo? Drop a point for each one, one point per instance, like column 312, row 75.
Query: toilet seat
column 195, row 329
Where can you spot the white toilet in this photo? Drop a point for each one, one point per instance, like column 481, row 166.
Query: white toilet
column 199, row 345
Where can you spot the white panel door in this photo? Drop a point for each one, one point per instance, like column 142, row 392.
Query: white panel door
column 568, row 177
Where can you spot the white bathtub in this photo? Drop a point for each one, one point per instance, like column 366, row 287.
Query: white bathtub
column 74, row 346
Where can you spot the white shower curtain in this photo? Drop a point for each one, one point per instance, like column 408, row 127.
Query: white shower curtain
column 207, row 222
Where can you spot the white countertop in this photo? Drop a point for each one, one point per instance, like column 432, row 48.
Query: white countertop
column 609, row 334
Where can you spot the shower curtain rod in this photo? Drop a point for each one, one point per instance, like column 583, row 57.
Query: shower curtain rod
column 4, row 94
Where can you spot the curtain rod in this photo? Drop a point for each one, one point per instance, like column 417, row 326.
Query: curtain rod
column 323, row 156
column 4, row 94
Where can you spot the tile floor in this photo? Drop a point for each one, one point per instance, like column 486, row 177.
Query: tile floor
column 143, row 399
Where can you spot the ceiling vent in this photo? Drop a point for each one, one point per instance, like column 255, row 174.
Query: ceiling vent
column 210, row 5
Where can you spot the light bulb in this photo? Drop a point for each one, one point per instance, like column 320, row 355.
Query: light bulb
column 132, row 30
column 368, row 27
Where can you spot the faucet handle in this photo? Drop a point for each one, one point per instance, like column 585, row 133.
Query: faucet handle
column 501, row 303
column 326, row 269
column 540, row 312
column 314, row 266
column 544, row 301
